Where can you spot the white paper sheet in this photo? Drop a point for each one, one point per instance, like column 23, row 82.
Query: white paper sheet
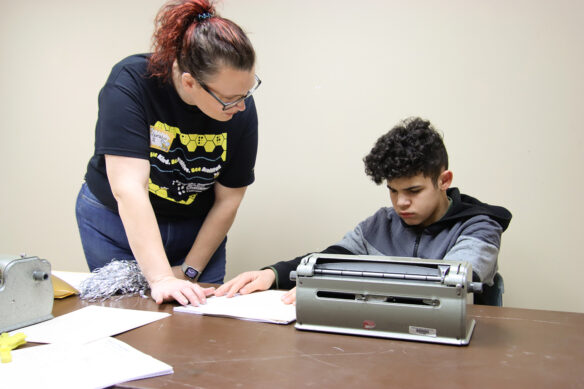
column 89, row 323
column 72, row 278
column 265, row 306
column 97, row 364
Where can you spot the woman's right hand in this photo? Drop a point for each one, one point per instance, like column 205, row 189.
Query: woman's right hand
column 184, row 292
column 247, row 282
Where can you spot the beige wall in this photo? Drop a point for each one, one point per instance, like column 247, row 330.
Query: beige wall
column 502, row 79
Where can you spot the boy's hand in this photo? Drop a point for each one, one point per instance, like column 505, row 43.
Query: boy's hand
column 290, row 297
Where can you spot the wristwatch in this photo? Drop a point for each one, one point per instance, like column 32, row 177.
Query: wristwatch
column 190, row 272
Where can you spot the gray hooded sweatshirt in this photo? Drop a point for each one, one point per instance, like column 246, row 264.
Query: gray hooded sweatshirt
column 470, row 231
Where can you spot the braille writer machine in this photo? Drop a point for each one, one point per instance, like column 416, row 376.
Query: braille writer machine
column 26, row 291
column 390, row 297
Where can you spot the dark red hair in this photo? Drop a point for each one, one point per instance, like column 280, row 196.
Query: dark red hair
column 190, row 32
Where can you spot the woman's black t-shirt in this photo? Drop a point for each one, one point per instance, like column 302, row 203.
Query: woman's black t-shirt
column 141, row 117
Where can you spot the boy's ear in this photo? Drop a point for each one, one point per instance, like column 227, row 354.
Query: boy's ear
column 445, row 180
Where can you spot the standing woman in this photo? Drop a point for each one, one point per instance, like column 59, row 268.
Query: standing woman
column 175, row 148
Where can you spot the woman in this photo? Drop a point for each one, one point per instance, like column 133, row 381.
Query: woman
column 175, row 147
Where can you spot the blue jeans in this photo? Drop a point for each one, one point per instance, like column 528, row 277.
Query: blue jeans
column 103, row 238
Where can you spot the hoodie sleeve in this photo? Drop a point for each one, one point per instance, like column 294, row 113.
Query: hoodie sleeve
column 479, row 244
column 372, row 236
column 353, row 243
column 282, row 269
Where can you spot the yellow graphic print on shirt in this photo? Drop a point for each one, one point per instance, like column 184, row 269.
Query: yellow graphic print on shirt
column 183, row 165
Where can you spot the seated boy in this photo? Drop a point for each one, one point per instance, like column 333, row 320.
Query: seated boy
column 428, row 219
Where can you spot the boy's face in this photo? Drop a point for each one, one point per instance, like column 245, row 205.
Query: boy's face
column 417, row 200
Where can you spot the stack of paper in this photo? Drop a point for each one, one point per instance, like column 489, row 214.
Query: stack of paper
column 89, row 323
column 72, row 278
column 82, row 353
column 97, row 364
column 265, row 306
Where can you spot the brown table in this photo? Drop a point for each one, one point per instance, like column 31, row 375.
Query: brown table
column 510, row 347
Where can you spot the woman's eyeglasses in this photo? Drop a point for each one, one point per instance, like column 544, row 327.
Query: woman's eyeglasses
column 232, row 104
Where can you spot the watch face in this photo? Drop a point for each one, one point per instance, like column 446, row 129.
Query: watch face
column 191, row 273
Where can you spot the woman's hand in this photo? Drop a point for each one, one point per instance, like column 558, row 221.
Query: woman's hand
column 247, row 282
column 185, row 292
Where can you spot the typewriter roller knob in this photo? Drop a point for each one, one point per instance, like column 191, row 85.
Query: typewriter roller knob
column 475, row 287
column 40, row 275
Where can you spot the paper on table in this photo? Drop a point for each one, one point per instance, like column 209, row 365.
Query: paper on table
column 263, row 306
column 87, row 324
column 97, row 364
column 72, row 278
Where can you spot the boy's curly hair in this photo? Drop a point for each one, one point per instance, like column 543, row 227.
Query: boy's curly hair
column 411, row 147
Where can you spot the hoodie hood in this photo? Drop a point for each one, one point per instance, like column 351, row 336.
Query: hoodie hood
column 465, row 207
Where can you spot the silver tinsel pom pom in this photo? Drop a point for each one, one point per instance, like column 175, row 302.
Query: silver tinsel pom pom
column 119, row 277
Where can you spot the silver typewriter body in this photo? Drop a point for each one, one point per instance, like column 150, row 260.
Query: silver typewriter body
column 389, row 297
column 26, row 291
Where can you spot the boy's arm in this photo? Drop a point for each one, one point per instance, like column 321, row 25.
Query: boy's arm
column 276, row 276
column 282, row 269
column 353, row 243
column 479, row 244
